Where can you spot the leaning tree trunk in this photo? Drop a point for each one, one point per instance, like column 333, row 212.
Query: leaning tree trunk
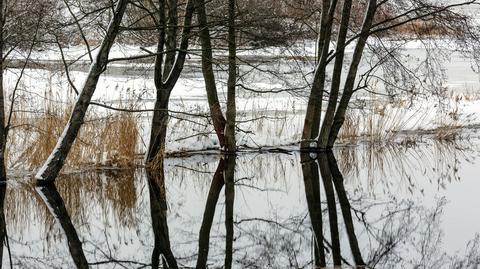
column 348, row 90
column 232, row 78
column 336, row 77
column 208, row 75
column 314, row 108
column 3, row 132
column 55, row 161
column 164, row 82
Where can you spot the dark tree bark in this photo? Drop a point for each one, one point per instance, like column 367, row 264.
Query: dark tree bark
column 208, row 215
column 3, row 131
column 55, row 204
column 208, row 74
column 158, row 210
column 55, row 161
column 164, row 84
column 314, row 108
column 348, row 89
column 311, row 180
column 337, row 75
column 232, row 78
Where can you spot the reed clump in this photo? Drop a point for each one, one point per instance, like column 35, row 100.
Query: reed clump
column 106, row 139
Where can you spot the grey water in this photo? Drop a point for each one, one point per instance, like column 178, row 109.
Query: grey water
column 382, row 207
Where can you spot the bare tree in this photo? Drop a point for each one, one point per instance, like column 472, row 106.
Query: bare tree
column 381, row 18
column 167, row 70
column 208, row 74
column 54, row 163
column 232, row 78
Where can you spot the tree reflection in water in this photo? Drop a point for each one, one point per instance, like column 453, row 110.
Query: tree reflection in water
column 331, row 176
column 56, row 206
column 224, row 176
column 158, row 211
column 252, row 211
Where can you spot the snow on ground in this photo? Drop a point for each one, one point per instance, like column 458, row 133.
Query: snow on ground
column 265, row 120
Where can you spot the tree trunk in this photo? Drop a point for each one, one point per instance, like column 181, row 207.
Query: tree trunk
column 314, row 108
column 55, row 204
column 158, row 130
column 55, row 161
column 208, row 75
column 164, row 85
column 171, row 41
column 232, row 78
column 336, row 77
column 3, row 131
column 339, row 118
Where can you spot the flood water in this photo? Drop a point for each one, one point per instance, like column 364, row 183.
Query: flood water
column 386, row 207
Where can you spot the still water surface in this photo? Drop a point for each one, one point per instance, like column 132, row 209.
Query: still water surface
column 386, row 207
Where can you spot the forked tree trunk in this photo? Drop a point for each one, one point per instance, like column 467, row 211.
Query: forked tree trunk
column 336, row 77
column 314, row 108
column 165, row 81
column 3, row 132
column 208, row 74
column 348, row 90
column 55, row 161
column 171, row 37
column 232, row 78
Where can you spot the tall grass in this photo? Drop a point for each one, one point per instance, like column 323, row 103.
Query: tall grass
column 107, row 140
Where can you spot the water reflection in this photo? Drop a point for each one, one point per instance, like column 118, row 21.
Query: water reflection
column 224, row 176
column 3, row 227
column 331, row 176
column 158, row 209
column 55, row 204
column 260, row 211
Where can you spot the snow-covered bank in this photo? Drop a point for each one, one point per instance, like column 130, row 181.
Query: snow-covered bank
column 269, row 114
